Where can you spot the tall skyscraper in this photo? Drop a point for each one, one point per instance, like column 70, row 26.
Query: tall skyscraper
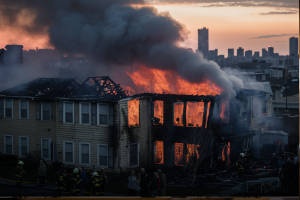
column 294, row 46
column 270, row 51
column 264, row 52
column 230, row 53
column 240, row 52
column 203, row 41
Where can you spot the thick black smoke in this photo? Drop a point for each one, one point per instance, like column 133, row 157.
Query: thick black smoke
column 116, row 34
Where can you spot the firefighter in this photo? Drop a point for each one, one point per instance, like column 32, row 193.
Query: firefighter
column 76, row 182
column 96, row 183
column 20, row 176
column 61, row 182
column 240, row 164
column 103, row 179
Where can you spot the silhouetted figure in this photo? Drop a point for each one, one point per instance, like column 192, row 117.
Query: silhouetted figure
column 20, row 172
column 133, row 184
column 76, row 182
column 42, row 172
column 144, row 183
column 155, row 184
column 163, row 183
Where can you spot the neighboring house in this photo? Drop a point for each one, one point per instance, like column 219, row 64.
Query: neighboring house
column 60, row 119
column 165, row 130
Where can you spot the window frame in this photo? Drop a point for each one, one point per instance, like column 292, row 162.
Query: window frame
column 64, row 112
column 138, row 155
column 20, row 148
column 5, row 143
column 49, row 146
column 12, row 108
column 109, row 114
column 80, row 113
column 64, row 152
column 42, row 111
column 107, row 155
column 20, row 109
column 80, row 153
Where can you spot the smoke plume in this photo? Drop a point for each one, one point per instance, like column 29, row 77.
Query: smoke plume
column 115, row 33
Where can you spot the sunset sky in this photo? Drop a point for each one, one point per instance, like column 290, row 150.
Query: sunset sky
column 231, row 23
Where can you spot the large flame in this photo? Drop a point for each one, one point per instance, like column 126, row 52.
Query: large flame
column 161, row 81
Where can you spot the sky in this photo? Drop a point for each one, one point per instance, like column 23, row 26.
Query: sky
column 251, row 24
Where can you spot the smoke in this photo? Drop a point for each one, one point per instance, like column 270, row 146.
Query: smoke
column 114, row 34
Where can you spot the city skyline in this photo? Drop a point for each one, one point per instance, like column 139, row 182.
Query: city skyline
column 249, row 24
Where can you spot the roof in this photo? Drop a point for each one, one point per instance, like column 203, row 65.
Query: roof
column 50, row 88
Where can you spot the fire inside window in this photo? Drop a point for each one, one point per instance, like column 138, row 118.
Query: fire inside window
column 178, row 154
column 159, row 152
column 133, row 112
column 224, row 111
column 194, row 114
column 158, row 112
column 178, row 113
column 192, row 152
column 207, row 113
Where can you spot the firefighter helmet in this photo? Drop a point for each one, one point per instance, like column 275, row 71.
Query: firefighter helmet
column 20, row 162
column 76, row 170
column 95, row 174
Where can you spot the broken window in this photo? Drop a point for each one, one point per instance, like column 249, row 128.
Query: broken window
column 133, row 112
column 159, row 152
column 158, row 112
column 178, row 154
column 192, row 152
column 194, row 114
column 178, row 113
column 207, row 113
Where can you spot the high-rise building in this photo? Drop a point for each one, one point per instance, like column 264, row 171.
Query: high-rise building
column 270, row 51
column 256, row 54
column 203, row 41
column 230, row 53
column 248, row 54
column 240, row 52
column 293, row 43
column 264, row 52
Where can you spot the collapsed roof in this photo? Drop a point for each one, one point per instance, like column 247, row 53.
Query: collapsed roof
column 50, row 88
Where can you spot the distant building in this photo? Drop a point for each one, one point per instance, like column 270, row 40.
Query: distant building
column 256, row 54
column 240, row 52
column 264, row 52
column 13, row 54
column 213, row 54
column 203, row 44
column 230, row 53
column 293, row 44
column 248, row 54
column 270, row 51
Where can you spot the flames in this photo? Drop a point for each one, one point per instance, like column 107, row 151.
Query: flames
column 168, row 82
column 159, row 152
column 178, row 113
column 133, row 112
column 159, row 112
column 194, row 114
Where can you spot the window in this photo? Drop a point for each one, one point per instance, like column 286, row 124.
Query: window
column 178, row 113
column 178, row 154
column 133, row 154
column 104, row 114
column 194, row 114
column 68, row 112
column 158, row 112
column 85, row 113
column 8, row 110
column 84, row 153
column 207, row 113
column 103, row 155
column 69, row 152
column 46, row 111
column 23, row 146
column 24, row 109
column 159, row 152
column 133, row 112
column 46, row 148
column 192, row 152
column 8, row 144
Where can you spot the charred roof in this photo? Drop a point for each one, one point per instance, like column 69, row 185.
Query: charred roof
column 204, row 98
column 50, row 88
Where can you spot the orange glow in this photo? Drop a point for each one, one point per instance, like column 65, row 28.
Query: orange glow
column 133, row 112
column 159, row 112
column 224, row 111
column 194, row 114
column 226, row 153
column 178, row 113
column 223, row 154
column 178, row 154
column 207, row 113
column 192, row 152
column 159, row 152
column 167, row 81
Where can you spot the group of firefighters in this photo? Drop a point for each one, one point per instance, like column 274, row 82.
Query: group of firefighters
column 81, row 182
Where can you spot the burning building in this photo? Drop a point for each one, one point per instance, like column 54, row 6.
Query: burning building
column 164, row 129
